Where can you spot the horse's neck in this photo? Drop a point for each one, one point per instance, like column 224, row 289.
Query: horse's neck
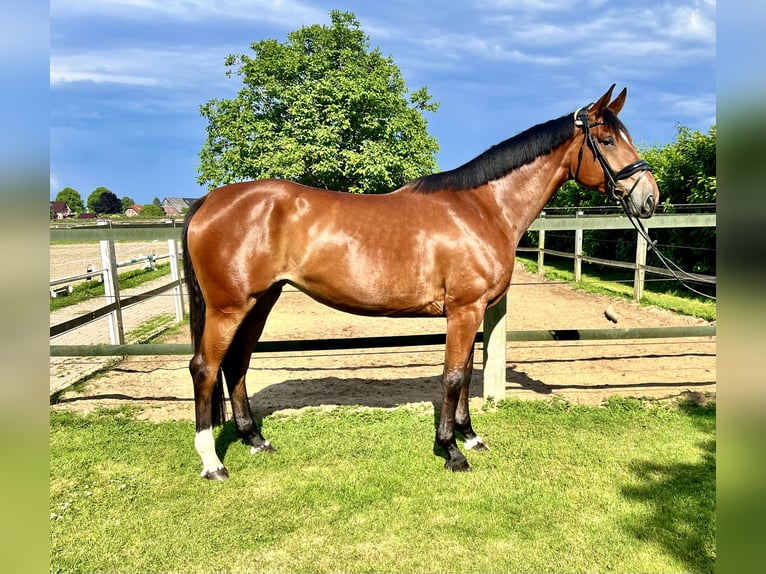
column 522, row 193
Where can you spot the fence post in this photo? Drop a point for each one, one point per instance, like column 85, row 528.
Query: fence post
column 578, row 256
column 175, row 275
column 640, row 274
column 494, row 350
column 112, row 291
column 541, row 252
column 578, row 252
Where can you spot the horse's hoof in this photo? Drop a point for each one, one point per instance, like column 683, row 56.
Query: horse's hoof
column 220, row 474
column 265, row 447
column 457, row 465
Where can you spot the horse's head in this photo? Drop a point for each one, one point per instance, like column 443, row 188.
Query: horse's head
column 606, row 160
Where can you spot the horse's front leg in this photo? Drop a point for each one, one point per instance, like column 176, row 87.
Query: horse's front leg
column 458, row 363
column 462, row 415
column 247, row 429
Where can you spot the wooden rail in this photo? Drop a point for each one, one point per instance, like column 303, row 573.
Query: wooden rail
column 185, row 349
column 579, row 224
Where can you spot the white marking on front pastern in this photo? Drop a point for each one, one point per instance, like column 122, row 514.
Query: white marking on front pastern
column 255, row 450
column 472, row 442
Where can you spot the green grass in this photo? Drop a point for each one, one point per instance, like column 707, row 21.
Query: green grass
column 664, row 294
column 153, row 329
column 629, row 487
column 92, row 289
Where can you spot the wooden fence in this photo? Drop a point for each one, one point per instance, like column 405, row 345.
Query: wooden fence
column 494, row 336
column 579, row 224
column 114, row 303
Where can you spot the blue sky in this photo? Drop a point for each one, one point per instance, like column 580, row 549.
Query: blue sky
column 127, row 77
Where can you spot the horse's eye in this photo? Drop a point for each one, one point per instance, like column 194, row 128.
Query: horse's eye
column 608, row 140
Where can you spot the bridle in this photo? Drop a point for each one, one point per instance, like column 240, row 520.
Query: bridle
column 610, row 181
column 610, row 177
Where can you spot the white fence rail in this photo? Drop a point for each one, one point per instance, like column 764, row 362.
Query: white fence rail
column 114, row 302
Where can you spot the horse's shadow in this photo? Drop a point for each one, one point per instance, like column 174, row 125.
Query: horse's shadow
column 354, row 391
column 349, row 391
column 335, row 391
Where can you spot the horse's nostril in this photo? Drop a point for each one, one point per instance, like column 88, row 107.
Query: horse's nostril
column 649, row 204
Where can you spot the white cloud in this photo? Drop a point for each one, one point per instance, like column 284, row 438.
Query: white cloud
column 174, row 66
column 690, row 105
column 128, row 67
column 632, row 38
column 59, row 76
column 287, row 12
column 691, row 24
column 169, row 65
column 459, row 46
column 541, row 33
column 527, row 5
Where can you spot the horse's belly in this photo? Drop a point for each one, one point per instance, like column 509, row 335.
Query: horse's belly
column 371, row 298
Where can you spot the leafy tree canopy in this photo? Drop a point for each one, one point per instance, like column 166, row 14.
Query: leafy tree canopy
column 127, row 202
column 686, row 169
column 151, row 210
column 94, row 196
column 321, row 109
column 72, row 199
column 107, row 203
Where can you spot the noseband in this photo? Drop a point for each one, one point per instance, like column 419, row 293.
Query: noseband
column 610, row 177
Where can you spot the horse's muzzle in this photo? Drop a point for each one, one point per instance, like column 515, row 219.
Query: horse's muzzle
column 640, row 204
column 648, row 207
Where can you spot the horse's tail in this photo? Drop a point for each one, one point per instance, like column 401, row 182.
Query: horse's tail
column 197, row 314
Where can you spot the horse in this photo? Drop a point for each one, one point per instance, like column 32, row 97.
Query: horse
column 441, row 245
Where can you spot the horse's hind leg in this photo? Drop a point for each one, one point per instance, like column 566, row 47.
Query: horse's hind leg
column 204, row 367
column 235, row 366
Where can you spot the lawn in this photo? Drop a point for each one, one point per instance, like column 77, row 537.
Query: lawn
column 627, row 487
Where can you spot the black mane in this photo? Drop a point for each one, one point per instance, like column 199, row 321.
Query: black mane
column 500, row 159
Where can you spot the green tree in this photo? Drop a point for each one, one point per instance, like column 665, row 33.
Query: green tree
column 94, row 196
column 685, row 170
column 156, row 201
column 108, row 203
column 127, row 202
column 72, row 199
column 151, row 210
column 321, row 109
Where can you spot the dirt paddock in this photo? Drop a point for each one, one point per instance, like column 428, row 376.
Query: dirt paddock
column 579, row 371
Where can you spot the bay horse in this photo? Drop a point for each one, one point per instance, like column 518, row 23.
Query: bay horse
column 441, row 245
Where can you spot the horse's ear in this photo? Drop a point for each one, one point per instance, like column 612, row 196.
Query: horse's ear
column 597, row 109
column 618, row 102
